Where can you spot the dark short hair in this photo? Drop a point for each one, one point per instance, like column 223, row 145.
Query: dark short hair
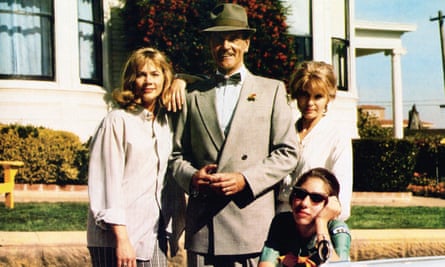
column 324, row 174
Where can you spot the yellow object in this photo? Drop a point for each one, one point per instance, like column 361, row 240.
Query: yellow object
column 10, row 169
column 306, row 260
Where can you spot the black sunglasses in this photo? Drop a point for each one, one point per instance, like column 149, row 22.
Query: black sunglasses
column 300, row 193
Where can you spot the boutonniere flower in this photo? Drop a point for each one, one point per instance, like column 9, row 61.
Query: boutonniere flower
column 251, row 97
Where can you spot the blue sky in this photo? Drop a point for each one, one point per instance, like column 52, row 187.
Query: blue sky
column 422, row 77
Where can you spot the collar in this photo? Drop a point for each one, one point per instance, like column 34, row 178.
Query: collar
column 242, row 71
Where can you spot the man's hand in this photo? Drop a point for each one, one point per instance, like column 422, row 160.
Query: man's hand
column 177, row 98
column 225, row 183
column 178, row 90
column 228, row 183
column 203, row 177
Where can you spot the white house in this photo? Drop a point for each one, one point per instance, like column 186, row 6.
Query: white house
column 60, row 57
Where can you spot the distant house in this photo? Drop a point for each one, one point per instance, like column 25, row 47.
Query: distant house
column 379, row 113
column 60, row 58
column 373, row 110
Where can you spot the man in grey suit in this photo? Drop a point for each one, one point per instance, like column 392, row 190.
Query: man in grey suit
column 234, row 141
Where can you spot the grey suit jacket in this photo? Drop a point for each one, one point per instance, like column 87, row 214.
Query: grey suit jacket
column 261, row 144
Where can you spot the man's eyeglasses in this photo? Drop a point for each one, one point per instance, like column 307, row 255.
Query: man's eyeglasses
column 300, row 193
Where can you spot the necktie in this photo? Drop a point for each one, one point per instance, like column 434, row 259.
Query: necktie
column 234, row 79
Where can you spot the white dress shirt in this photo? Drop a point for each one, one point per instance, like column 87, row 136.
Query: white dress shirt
column 227, row 95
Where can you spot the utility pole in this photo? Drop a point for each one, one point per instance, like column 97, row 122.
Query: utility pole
column 440, row 18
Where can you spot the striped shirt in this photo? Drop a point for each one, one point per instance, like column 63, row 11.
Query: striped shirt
column 128, row 161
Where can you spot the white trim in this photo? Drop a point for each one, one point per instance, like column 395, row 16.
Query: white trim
column 377, row 37
column 384, row 26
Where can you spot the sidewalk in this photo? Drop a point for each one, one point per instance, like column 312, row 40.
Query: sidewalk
column 49, row 193
column 48, row 196
column 69, row 248
column 80, row 194
column 402, row 199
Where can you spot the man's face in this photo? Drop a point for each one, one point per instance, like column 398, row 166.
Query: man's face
column 228, row 50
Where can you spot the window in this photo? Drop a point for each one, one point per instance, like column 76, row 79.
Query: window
column 339, row 61
column 303, row 48
column 300, row 28
column 26, row 39
column 299, row 16
column 340, row 42
column 90, row 41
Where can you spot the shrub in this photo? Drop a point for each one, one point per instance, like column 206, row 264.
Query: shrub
column 50, row 157
column 431, row 155
column 422, row 185
column 369, row 126
column 429, row 169
column 175, row 26
column 376, row 159
column 383, row 165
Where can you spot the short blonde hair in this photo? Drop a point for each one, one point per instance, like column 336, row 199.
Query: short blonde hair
column 124, row 96
column 315, row 75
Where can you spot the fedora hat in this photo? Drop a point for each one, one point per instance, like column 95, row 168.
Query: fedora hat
column 229, row 17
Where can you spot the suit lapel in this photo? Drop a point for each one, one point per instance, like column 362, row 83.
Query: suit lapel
column 205, row 101
column 206, row 107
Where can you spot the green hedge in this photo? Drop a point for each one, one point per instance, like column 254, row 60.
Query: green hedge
column 380, row 164
column 50, row 157
column 383, row 165
column 431, row 155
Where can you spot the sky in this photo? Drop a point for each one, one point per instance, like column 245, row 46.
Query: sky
column 422, row 76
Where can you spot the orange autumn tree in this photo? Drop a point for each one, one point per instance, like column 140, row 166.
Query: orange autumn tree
column 174, row 27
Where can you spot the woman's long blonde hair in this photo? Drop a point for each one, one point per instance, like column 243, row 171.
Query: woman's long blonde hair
column 124, row 96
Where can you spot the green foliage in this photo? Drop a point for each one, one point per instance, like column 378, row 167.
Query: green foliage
column 369, row 126
column 376, row 159
column 50, row 157
column 174, row 27
column 65, row 216
column 431, row 155
column 29, row 217
column 383, row 165
column 396, row 217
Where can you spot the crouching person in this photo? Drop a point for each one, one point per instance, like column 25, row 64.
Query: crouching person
column 309, row 235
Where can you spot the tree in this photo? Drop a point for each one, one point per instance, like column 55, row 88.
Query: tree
column 369, row 126
column 173, row 26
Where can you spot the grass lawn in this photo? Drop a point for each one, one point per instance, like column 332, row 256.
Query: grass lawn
column 397, row 217
column 65, row 216
column 61, row 216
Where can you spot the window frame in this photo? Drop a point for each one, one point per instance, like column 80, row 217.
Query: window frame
column 340, row 49
column 307, row 49
column 51, row 50
column 98, row 30
column 305, row 40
